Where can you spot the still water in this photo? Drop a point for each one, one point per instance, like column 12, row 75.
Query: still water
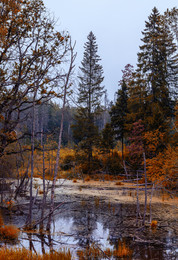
column 94, row 221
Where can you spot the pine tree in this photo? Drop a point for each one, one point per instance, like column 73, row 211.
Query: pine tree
column 118, row 114
column 158, row 65
column 89, row 98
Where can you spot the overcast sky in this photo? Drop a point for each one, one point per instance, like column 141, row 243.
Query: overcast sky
column 117, row 25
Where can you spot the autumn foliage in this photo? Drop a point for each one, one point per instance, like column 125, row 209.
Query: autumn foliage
column 10, row 232
column 24, row 254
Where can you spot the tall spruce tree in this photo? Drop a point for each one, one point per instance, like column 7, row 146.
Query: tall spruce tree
column 157, row 63
column 89, row 98
column 118, row 114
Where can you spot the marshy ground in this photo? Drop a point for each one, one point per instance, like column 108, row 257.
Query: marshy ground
column 102, row 215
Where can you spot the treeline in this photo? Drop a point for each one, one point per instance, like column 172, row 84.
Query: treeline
column 36, row 70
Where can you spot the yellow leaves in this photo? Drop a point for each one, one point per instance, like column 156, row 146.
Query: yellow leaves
column 162, row 169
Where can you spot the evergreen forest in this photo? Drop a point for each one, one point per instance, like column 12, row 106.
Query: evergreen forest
column 59, row 130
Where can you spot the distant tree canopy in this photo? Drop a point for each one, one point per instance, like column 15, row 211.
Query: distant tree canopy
column 143, row 117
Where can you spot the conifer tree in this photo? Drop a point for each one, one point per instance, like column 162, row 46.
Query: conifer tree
column 89, row 98
column 158, row 65
column 118, row 114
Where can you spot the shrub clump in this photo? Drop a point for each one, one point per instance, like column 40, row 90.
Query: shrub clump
column 9, row 232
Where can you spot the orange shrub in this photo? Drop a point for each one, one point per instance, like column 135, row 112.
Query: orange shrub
column 154, row 224
column 9, row 232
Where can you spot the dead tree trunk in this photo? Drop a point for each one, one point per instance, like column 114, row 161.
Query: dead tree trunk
column 66, row 85
column 138, row 205
column 151, row 196
column 19, row 188
column 32, row 159
column 145, row 208
column 44, row 184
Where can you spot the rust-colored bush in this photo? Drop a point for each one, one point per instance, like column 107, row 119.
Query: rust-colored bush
column 9, row 232
column 154, row 224
column 74, row 180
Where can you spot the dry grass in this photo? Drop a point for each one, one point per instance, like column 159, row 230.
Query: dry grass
column 118, row 183
column 94, row 252
column 10, row 232
column 122, row 251
column 23, row 254
column 87, row 178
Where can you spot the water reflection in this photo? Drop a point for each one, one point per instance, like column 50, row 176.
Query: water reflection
column 103, row 224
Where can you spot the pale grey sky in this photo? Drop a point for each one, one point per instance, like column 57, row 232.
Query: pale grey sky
column 117, row 25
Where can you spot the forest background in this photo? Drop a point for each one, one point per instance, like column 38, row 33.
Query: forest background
column 43, row 104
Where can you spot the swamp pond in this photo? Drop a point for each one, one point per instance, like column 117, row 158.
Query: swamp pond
column 100, row 215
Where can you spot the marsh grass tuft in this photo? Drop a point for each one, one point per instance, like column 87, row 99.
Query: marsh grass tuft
column 24, row 254
column 154, row 224
column 10, row 232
